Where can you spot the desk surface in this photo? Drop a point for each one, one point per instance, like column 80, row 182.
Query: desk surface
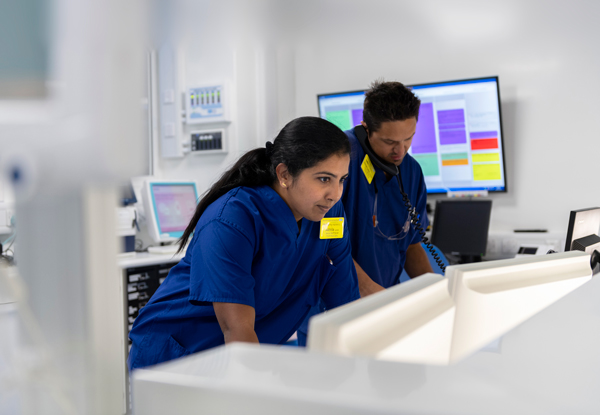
column 144, row 258
column 548, row 365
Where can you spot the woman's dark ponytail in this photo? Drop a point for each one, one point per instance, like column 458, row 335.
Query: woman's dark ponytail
column 301, row 144
column 252, row 169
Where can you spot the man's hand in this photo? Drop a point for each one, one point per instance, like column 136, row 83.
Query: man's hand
column 366, row 285
column 417, row 262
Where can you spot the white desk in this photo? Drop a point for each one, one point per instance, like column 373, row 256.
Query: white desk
column 144, row 258
column 139, row 264
column 548, row 365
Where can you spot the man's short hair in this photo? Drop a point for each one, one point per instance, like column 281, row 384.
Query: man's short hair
column 389, row 101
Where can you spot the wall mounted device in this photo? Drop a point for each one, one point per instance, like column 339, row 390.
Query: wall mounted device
column 208, row 141
column 207, row 104
column 169, row 207
column 459, row 140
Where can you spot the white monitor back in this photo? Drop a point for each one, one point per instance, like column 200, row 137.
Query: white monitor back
column 437, row 320
column 494, row 297
column 410, row 322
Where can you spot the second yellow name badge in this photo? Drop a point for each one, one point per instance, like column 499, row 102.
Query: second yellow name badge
column 332, row 228
column 368, row 169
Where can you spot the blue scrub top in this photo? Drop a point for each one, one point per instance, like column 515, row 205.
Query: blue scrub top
column 381, row 250
column 380, row 257
column 246, row 249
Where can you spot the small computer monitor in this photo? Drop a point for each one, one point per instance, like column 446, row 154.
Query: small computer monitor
column 583, row 230
column 169, row 206
column 460, row 228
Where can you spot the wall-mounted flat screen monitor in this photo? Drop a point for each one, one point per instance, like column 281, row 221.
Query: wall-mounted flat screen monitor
column 459, row 141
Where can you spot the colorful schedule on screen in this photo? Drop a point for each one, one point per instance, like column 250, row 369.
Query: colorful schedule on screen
column 458, row 141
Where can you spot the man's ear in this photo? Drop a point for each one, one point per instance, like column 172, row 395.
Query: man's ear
column 364, row 124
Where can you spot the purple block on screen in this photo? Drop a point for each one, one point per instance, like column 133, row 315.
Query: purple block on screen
column 356, row 117
column 453, row 137
column 451, row 116
column 453, row 126
column 484, row 134
column 424, row 139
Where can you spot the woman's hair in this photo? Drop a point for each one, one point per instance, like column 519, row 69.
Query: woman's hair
column 301, row 144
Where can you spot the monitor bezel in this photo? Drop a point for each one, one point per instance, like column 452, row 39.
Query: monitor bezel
column 152, row 221
column 500, row 128
column 435, row 230
column 334, row 94
column 570, row 229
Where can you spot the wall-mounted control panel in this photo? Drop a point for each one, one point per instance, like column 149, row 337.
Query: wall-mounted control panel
column 209, row 141
column 205, row 104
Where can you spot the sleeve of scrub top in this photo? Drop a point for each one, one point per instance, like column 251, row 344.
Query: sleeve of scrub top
column 221, row 266
column 342, row 287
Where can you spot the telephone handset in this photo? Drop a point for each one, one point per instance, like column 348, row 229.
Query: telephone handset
column 361, row 134
column 393, row 170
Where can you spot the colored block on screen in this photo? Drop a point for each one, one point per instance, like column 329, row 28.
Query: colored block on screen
column 456, row 162
column 454, row 156
column 424, row 139
column 340, row 119
column 484, row 134
column 483, row 157
column 428, row 163
column 453, row 137
column 357, row 117
column 451, row 116
column 453, row 126
column 484, row 144
column 486, row 172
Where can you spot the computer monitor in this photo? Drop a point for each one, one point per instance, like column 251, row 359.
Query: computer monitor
column 344, row 109
column 460, row 228
column 583, row 230
column 169, row 207
column 458, row 143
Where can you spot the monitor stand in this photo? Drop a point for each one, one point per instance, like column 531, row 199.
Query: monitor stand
column 467, row 259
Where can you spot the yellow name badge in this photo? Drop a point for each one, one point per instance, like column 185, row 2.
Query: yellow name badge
column 332, row 228
column 368, row 169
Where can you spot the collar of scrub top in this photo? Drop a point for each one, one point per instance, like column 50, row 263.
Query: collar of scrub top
column 287, row 215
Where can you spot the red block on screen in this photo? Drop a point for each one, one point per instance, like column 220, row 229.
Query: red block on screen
column 484, row 144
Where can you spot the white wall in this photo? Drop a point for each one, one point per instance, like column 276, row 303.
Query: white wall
column 281, row 54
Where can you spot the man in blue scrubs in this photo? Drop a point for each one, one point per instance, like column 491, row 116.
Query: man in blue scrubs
column 384, row 242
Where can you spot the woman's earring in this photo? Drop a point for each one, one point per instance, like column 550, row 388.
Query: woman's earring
column 283, row 185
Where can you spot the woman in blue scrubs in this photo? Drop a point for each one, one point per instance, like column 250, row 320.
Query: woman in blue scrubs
column 268, row 240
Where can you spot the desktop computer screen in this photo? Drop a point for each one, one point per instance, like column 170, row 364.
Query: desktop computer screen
column 459, row 140
column 169, row 208
column 583, row 230
column 460, row 228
